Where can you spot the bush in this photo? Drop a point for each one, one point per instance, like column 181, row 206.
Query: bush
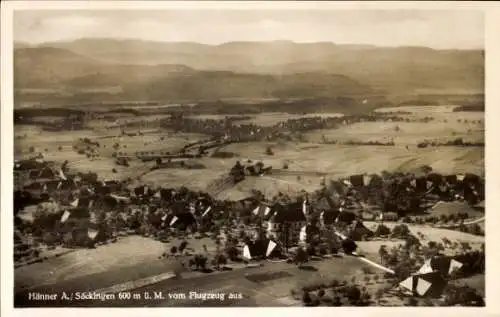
column 407, row 220
column 400, row 231
column 382, row 230
column 222, row 154
column 323, row 248
column 306, row 298
column 334, row 283
column 353, row 294
column 269, row 151
column 410, row 241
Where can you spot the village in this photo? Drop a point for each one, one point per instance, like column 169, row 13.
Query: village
column 396, row 224
column 190, row 157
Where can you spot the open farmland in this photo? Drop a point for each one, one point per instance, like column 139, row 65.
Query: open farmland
column 248, row 173
column 128, row 253
column 430, row 233
column 340, row 160
column 445, row 126
column 309, row 163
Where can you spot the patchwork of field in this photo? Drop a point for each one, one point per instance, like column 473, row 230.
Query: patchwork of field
column 270, row 285
column 338, row 160
column 445, row 127
column 59, row 146
column 308, row 164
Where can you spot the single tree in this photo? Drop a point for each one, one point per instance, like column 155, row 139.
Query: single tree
column 173, row 250
column 301, row 257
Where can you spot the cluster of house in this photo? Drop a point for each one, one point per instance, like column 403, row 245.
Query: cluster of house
column 253, row 132
column 113, row 205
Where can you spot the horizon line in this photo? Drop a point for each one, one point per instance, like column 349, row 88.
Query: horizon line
column 124, row 39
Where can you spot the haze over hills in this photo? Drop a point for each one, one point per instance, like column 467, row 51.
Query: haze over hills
column 183, row 70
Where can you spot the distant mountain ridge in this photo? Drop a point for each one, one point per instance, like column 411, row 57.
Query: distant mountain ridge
column 245, row 69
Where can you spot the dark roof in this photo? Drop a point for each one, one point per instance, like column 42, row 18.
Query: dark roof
column 356, row 180
column 291, row 212
column 359, row 231
column 258, row 248
column 329, row 216
column 438, row 283
column 184, row 219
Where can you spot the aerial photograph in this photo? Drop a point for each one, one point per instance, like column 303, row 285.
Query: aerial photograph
column 249, row 158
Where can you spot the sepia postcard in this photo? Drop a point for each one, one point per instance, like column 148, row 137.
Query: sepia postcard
column 247, row 154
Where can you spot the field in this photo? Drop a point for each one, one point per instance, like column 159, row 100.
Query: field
column 126, row 253
column 370, row 248
column 296, row 167
column 446, row 126
column 339, row 160
column 307, row 162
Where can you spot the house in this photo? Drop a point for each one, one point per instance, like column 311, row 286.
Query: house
column 180, row 217
column 47, row 173
column 181, row 221
column 262, row 248
column 142, row 191
column 328, row 217
column 264, row 212
column 425, row 285
column 357, row 180
column 35, row 186
column 28, row 165
column 445, row 265
column 288, row 213
column 359, row 232
column 346, row 216
column 52, row 185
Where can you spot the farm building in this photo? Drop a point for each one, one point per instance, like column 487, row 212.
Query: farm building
column 424, row 285
column 262, row 248
column 443, row 264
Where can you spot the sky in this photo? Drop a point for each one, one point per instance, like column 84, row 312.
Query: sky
column 450, row 29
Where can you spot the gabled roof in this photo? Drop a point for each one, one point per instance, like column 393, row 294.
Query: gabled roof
column 328, row 217
column 260, row 248
column 290, row 212
column 424, row 285
column 442, row 264
column 359, row 231
column 357, row 180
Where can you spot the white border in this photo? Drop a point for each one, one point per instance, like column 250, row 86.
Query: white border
column 492, row 36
